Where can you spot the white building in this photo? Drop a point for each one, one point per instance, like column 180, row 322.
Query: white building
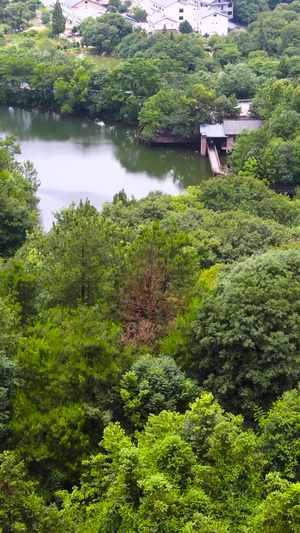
column 207, row 17
column 76, row 11
column 170, row 13
column 224, row 6
column 210, row 22
column 160, row 21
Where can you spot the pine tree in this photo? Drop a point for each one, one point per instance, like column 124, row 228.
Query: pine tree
column 58, row 20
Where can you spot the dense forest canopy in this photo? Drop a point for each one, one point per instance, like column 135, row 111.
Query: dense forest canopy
column 149, row 352
column 149, row 361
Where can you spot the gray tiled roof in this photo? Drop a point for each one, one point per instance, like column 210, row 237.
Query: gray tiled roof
column 213, row 130
column 235, row 127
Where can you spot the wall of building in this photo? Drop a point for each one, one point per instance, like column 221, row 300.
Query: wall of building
column 230, row 142
column 213, row 24
column 224, row 6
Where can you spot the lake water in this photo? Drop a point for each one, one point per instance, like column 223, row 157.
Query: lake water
column 77, row 158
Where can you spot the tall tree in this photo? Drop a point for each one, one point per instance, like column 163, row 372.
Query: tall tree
column 58, row 20
column 79, row 256
column 160, row 269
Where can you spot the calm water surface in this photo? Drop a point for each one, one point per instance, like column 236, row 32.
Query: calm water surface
column 78, row 158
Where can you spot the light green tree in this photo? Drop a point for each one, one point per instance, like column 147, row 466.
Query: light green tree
column 153, row 385
column 22, row 509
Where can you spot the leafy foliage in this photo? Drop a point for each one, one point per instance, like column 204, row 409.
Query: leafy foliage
column 244, row 343
column 18, row 201
column 152, row 385
column 22, row 509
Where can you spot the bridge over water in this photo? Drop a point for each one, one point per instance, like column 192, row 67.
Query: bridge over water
column 214, row 160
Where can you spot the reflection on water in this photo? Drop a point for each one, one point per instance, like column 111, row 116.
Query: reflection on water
column 80, row 158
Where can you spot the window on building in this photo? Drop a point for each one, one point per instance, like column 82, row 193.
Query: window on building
column 180, row 10
column 180, row 18
column 230, row 4
column 229, row 13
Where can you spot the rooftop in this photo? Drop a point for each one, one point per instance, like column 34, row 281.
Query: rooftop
column 72, row 3
column 213, row 130
column 154, row 19
column 229, row 127
column 84, row 12
column 236, row 126
column 204, row 12
column 165, row 3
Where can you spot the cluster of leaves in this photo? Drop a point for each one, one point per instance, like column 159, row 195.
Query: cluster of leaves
column 16, row 16
column 105, row 32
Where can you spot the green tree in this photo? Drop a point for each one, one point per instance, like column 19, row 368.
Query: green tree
column 158, row 482
column 230, row 236
column 8, row 366
column 279, row 511
column 17, row 15
column 152, row 385
column 130, row 84
column 138, row 14
column 238, row 80
column 244, row 341
column 80, row 257
column 46, row 17
column 18, row 201
column 246, row 11
column 22, row 509
column 71, row 363
column 185, row 27
column 105, row 32
column 73, row 95
column 278, row 162
column 58, row 20
column 245, row 193
column 280, row 436
column 175, row 112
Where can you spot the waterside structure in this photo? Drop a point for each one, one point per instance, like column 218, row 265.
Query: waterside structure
column 224, row 135
column 221, row 137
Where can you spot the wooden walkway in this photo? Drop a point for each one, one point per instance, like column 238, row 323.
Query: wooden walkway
column 214, row 160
